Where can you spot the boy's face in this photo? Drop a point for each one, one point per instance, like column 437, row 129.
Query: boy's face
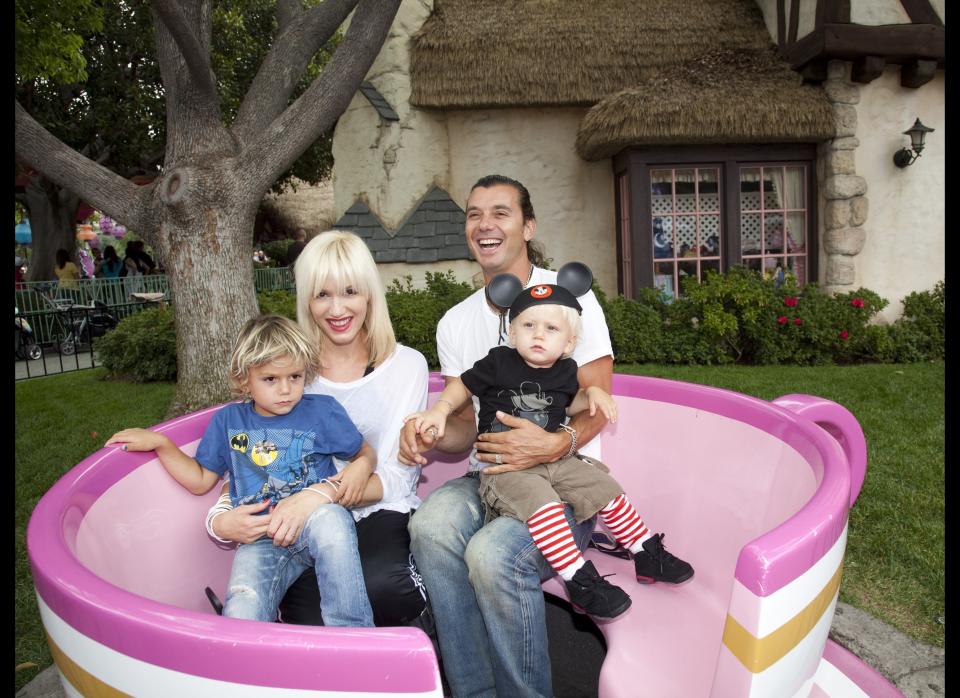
column 275, row 387
column 542, row 335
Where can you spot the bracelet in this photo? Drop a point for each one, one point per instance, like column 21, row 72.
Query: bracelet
column 573, row 439
column 452, row 408
column 322, row 494
column 334, row 485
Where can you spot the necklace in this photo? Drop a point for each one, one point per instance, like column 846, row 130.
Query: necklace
column 529, row 276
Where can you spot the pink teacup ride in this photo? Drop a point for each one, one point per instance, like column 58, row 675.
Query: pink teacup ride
column 754, row 494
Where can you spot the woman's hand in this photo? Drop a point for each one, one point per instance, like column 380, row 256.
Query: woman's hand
column 241, row 524
column 288, row 517
column 352, row 480
column 413, row 444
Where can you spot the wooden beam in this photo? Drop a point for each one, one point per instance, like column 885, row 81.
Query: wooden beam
column 836, row 11
column 814, row 71
column 917, row 73
column 794, row 20
column 781, row 32
column 899, row 43
column 867, row 69
column 921, row 12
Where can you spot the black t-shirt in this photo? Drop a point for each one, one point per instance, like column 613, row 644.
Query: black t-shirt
column 503, row 381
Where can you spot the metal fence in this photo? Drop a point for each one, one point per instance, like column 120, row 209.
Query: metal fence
column 64, row 323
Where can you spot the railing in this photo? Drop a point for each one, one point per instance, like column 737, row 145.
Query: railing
column 36, row 296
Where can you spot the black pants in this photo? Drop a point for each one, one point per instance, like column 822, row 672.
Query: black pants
column 393, row 584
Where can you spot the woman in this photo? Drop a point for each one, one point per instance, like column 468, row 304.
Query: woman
column 66, row 271
column 110, row 265
column 341, row 305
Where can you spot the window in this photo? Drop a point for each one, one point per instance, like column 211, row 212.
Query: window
column 684, row 211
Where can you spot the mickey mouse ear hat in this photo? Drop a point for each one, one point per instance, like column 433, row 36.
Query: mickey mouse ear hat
column 506, row 291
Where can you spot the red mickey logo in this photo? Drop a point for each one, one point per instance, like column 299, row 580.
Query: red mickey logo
column 541, row 291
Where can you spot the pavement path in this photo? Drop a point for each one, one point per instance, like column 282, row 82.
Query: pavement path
column 915, row 668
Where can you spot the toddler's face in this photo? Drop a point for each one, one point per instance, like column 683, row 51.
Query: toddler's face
column 275, row 387
column 542, row 335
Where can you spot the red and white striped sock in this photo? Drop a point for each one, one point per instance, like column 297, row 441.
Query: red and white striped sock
column 625, row 524
column 552, row 535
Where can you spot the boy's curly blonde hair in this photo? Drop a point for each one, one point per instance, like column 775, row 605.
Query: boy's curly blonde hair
column 267, row 338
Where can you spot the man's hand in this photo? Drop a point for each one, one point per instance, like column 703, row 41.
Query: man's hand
column 241, row 524
column 524, row 446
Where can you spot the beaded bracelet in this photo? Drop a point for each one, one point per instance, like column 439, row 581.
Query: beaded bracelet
column 573, row 439
column 321, row 493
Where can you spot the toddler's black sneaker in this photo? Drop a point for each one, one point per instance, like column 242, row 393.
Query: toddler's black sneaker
column 591, row 593
column 655, row 564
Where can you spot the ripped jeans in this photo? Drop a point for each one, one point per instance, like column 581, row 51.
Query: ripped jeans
column 262, row 572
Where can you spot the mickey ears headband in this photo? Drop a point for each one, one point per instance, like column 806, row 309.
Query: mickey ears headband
column 506, row 290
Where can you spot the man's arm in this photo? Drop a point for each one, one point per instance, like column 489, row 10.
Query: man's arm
column 526, row 444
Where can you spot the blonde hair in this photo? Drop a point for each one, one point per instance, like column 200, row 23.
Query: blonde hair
column 569, row 315
column 341, row 259
column 267, row 338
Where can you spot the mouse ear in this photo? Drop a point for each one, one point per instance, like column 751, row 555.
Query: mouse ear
column 576, row 277
column 503, row 290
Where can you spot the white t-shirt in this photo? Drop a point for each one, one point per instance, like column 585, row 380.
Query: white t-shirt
column 471, row 328
column 377, row 404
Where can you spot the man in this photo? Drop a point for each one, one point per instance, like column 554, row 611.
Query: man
column 296, row 247
column 484, row 580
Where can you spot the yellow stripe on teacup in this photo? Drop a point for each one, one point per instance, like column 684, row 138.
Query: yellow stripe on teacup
column 85, row 683
column 757, row 654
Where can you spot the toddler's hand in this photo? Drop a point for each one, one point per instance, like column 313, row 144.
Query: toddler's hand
column 599, row 398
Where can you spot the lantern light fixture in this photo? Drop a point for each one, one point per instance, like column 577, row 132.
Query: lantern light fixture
column 906, row 156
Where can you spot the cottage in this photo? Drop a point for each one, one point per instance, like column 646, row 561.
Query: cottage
column 659, row 139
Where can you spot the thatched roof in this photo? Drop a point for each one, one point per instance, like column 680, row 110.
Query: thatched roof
column 719, row 97
column 663, row 62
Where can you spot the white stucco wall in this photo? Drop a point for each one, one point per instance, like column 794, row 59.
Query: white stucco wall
column 573, row 199
column 877, row 12
column 905, row 227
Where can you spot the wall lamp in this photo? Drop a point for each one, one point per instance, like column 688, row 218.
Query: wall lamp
column 905, row 156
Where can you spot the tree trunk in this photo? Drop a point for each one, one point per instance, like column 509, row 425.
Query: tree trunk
column 51, row 209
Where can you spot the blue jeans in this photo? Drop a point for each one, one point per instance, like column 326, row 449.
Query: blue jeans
column 484, row 588
column 262, row 572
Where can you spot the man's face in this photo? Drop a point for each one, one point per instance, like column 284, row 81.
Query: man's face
column 496, row 233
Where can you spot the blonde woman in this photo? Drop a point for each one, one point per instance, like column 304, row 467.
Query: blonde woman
column 341, row 306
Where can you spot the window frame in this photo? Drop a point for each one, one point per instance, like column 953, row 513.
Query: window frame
column 636, row 163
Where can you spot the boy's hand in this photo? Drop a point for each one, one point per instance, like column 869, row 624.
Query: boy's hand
column 137, row 440
column 600, row 398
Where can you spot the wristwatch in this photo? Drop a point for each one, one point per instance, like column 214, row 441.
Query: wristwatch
column 573, row 439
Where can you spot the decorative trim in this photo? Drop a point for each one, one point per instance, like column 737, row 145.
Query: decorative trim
column 917, row 73
column 378, row 101
column 899, row 43
column 921, row 12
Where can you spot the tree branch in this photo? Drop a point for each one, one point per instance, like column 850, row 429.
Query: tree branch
column 287, row 12
column 294, row 46
column 196, row 58
column 95, row 184
column 278, row 145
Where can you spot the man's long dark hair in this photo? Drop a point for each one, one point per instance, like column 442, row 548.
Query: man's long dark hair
column 534, row 250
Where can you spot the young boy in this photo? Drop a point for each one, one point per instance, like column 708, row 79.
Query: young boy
column 536, row 380
column 278, row 446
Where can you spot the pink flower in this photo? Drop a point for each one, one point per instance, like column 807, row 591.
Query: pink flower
column 844, row 334
column 790, row 301
column 856, row 303
column 782, row 319
column 797, row 321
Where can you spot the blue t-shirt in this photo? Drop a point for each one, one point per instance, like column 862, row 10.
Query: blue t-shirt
column 274, row 457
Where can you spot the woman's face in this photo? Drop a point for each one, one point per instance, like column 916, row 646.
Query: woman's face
column 339, row 313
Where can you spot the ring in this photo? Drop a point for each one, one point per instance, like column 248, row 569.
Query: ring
column 433, row 432
column 124, row 447
column 499, row 460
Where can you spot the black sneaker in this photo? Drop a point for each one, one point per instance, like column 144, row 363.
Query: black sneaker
column 591, row 593
column 655, row 564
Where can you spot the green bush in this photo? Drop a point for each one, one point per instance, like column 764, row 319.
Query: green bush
column 276, row 251
column 142, row 347
column 278, row 302
column 919, row 334
column 416, row 312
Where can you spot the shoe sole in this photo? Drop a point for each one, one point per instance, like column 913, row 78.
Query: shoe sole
column 654, row 580
column 616, row 614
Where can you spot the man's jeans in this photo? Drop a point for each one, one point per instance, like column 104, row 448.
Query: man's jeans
column 484, row 584
column 262, row 572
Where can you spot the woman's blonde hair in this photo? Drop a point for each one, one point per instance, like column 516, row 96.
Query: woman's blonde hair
column 339, row 259
column 267, row 338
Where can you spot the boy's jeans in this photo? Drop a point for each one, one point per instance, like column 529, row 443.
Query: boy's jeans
column 262, row 572
column 484, row 588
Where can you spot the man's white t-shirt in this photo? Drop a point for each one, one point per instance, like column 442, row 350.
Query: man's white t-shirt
column 471, row 328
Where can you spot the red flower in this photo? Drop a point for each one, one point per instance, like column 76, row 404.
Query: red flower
column 790, row 301
column 856, row 303
column 797, row 321
column 782, row 319
column 844, row 334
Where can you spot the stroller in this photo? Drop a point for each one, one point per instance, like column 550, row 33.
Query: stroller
column 24, row 344
column 82, row 323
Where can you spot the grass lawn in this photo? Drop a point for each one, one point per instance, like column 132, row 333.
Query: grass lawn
column 895, row 550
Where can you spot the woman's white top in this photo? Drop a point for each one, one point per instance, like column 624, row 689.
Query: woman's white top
column 377, row 404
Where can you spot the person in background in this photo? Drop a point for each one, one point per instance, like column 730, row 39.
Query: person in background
column 296, row 247
column 110, row 264
column 66, row 271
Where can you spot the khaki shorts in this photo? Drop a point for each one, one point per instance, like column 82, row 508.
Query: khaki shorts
column 581, row 482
